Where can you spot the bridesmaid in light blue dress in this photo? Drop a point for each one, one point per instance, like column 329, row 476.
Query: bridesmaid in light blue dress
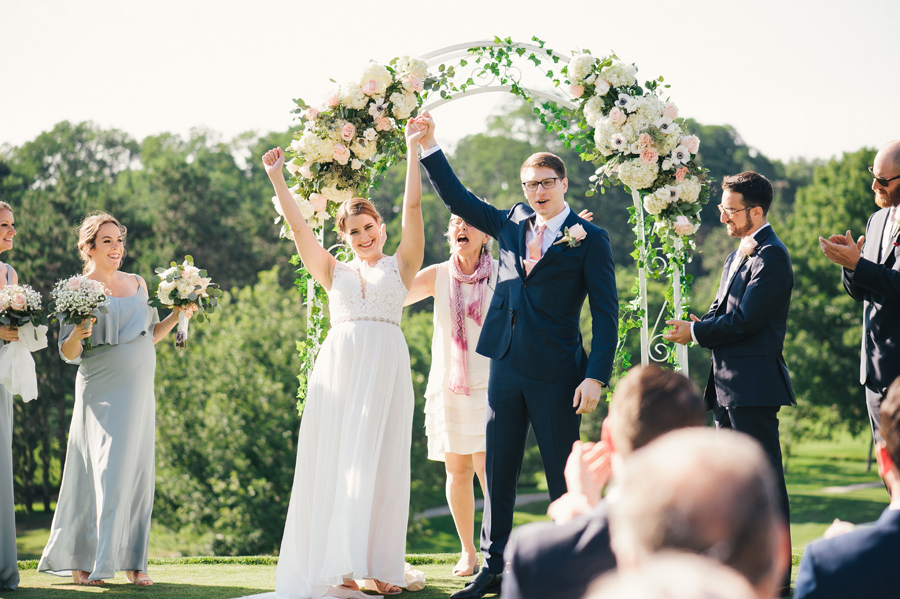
column 102, row 519
column 9, row 567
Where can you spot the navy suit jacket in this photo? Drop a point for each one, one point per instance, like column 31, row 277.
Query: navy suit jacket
column 745, row 329
column 876, row 283
column 559, row 561
column 533, row 320
column 860, row 563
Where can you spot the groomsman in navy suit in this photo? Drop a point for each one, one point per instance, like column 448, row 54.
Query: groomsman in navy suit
column 550, row 261
column 745, row 326
column 863, row 562
column 871, row 274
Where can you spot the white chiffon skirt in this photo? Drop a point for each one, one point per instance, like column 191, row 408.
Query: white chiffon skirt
column 349, row 505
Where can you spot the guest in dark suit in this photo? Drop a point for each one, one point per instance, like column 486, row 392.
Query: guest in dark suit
column 863, row 562
column 745, row 326
column 871, row 274
column 560, row 560
column 550, row 261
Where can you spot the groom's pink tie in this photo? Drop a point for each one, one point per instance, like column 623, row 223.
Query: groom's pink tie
column 535, row 249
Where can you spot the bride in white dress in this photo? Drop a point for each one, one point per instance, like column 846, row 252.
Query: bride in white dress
column 350, row 500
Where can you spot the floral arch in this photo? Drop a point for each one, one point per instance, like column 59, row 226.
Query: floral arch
column 595, row 105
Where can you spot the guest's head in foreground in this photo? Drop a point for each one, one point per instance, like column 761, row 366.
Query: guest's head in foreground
column 888, row 451
column 746, row 198
column 101, row 242
column 706, row 492
column 673, row 575
column 886, row 173
column 544, row 183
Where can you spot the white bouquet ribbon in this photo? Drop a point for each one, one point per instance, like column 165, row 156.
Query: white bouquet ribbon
column 16, row 364
column 181, row 334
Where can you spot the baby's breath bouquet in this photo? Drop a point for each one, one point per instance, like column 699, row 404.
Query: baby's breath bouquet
column 76, row 300
column 21, row 308
column 186, row 286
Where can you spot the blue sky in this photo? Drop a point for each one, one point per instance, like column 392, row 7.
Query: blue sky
column 811, row 79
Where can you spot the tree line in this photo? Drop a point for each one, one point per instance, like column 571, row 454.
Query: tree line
column 226, row 407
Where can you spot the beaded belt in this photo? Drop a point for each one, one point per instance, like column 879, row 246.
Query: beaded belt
column 369, row 318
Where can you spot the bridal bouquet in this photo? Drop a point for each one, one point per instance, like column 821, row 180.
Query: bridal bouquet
column 186, row 286
column 20, row 308
column 76, row 299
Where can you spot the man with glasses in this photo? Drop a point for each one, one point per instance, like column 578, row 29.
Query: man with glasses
column 745, row 326
column 550, row 261
column 871, row 274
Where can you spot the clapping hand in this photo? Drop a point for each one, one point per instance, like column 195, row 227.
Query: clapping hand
column 273, row 160
column 841, row 249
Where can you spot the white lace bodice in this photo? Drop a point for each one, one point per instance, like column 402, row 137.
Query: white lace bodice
column 363, row 292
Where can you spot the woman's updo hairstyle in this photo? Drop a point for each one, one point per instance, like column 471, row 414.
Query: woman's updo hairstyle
column 87, row 235
column 354, row 207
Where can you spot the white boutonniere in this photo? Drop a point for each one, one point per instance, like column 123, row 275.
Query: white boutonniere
column 748, row 246
column 573, row 236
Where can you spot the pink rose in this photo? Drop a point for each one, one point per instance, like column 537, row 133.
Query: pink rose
column 370, row 87
column 645, row 140
column 670, row 111
column 312, row 113
column 748, row 245
column 348, row 131
column 340, row 153
column 617, row 116
column 649, row 155
column 318, row 202
column 601, row 86
column 382, row 123
column 414, row 84
column 74, row 283
column 680, row 173
column 333, row 98
column 691, row 142
column 683, row 226
column 576, row 90
column 18, row 302
column 577, row 232
column 305, row 172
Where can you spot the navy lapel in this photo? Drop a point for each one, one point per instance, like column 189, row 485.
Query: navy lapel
column 556, row 249
column 761, row 239
column 524, row 226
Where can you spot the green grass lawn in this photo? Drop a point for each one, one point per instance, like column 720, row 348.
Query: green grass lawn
column 813, row 467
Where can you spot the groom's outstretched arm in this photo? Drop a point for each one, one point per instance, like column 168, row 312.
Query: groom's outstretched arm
column 459, row 200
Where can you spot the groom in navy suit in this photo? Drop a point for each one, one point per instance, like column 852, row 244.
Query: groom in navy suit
column 550, row 261
column 745, row 326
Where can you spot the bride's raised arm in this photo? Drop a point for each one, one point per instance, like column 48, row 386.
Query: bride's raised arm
column 318, row 261
column 411, row 251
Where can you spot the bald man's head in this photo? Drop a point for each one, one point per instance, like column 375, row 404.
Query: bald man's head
column 886, row 167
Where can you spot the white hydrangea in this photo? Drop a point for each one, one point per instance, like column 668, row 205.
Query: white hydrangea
column 364, row 149
column 404, row 104
column 313, row 147
column 413, row 66
column 380, row 75
column 620, row 74
column 336, row 195
column 593, row 110
column 603, row 134
column 653, row 204
column 689, row 189
column 649, row 108
column 370, row 134
column 353, row 97
column 580, row 68
column 638, row 174
column 670, row 142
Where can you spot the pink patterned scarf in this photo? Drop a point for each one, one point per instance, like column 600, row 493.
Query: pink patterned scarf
column 459, row 366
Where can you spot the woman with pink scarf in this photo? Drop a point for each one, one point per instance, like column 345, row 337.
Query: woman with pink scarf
column 456, row 394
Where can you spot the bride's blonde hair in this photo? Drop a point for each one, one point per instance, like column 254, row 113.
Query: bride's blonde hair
column 353, row 207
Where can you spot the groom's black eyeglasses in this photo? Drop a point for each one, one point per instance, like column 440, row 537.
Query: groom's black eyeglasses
column 546, row 184
column 881, row 180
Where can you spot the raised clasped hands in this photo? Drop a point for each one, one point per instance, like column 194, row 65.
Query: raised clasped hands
column 9, row 334
column 415, row 131
column 273, row 161
column 680, row 331
column 842, row 250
